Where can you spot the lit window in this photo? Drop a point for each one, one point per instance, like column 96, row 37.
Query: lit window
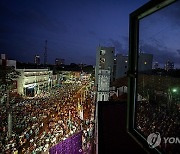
column 126, row 61
column 145, row 62
column 102, row 52
column 102, row 60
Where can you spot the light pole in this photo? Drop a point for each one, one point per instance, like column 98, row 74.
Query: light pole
column 175, row 94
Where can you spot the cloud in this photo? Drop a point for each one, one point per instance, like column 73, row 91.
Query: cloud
column 4, row 29
column 93, row 33
column 120, row 47
column 172, row 13
column 168, row 15
column 161, row 54
column 178, row 51
column 31, row 19
column 40, row 20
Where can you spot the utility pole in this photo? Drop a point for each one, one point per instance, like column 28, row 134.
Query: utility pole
column 45, row 53
column 9, row 116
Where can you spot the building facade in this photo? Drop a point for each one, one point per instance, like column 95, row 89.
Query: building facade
column 144, row 64
column 103, row 85
column 104, row 61
column 32, row 82
column 121, row 66
column 6, row 62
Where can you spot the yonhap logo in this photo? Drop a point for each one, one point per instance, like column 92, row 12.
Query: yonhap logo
column 154, row 140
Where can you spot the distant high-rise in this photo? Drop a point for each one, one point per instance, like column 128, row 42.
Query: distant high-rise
column 59, row 61
column 104, row 61
column 37, row 59
column 169, row 65
column 156, row 65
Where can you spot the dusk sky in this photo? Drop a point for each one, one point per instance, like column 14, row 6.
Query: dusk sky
column 159, row 35
column 74, row 29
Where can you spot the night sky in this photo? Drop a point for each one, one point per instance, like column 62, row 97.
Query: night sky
column 74, row 29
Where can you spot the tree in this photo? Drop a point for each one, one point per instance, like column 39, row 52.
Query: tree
column 7, row 76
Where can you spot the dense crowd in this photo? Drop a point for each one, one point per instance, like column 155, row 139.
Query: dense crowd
column 152, row 118
column 40, row 123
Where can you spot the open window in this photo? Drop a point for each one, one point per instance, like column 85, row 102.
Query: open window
column 154, row 76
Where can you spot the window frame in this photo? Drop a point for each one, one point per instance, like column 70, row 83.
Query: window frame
column 134, row 18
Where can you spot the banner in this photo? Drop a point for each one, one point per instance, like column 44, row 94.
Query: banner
column 72, row 145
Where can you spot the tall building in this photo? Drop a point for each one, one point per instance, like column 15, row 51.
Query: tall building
column 104, row 61
column 144, row 64
column 37, row 59
column 169, row 65
column 59, row 61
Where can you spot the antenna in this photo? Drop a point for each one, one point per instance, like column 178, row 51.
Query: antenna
column 45, row 53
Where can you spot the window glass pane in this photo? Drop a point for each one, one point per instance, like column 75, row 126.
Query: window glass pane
column 158, row 87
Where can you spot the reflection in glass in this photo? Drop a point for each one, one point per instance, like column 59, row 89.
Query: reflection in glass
column 158, row 89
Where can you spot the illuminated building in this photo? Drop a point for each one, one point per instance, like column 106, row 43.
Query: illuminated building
column 145, row 64
column 104, row 61
column 33, row 81
column 59, row 61
column 169, row 65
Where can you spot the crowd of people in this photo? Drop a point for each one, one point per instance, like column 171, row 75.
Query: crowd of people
column 152, row 118
column 41, row 123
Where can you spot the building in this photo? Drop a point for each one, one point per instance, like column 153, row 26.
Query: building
column 59, row 61
column 145, row 62
column 169, row 65
column 103, row 85
column 37, row 59
column 156, row 65
column 32, row 82
column 104, row 61
column 6, row 62
column 121, row 66
column 110, row 67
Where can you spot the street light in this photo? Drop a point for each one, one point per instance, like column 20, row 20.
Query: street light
column 175, row 95
column 174, row 90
